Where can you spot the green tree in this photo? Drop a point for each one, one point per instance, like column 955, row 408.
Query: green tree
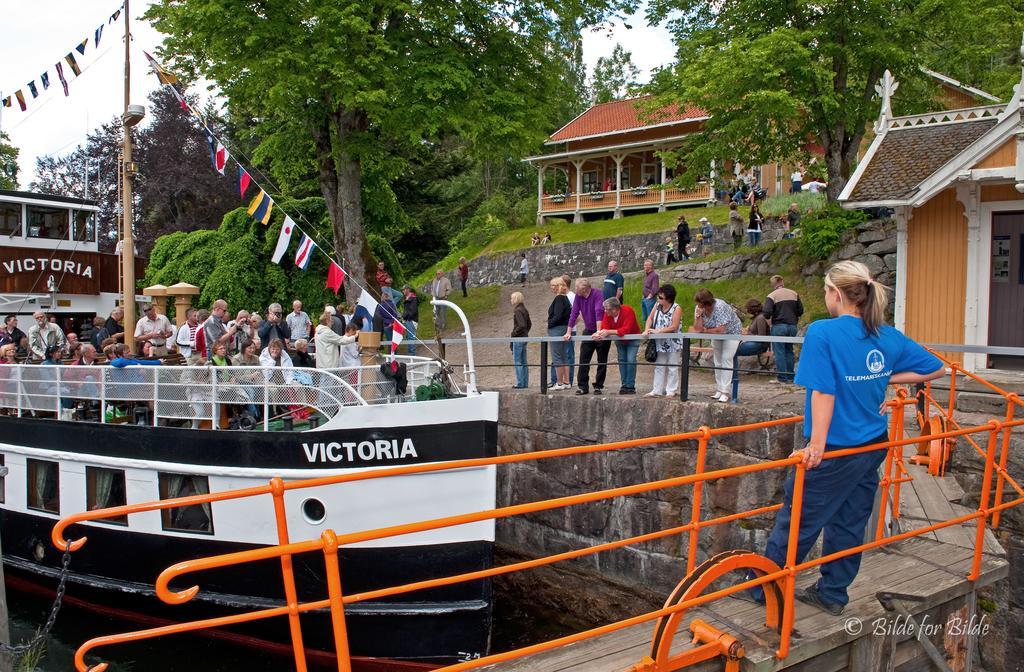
column 350, row 89
column 774, row 75
column 614, row 76
column 8, row 163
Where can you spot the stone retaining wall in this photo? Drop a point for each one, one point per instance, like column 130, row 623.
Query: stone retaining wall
column 585, row 258
column 530, row 422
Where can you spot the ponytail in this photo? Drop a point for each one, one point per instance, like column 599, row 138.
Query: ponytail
column 854, row 282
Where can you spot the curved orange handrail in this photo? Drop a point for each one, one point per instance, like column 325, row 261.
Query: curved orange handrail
column 329, row 542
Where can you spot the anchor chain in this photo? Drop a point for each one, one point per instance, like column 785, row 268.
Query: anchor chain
column 19, row 650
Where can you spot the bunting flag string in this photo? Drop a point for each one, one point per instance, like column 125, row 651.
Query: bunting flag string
column 60, row 74
column 21, row 99
column 243, row 181
column 218, row 154
column 283, row 239
column 305, row 252
column 72, row 63
column 69, row 60
column 335, row 277
column 7, row 101
column 261, row 207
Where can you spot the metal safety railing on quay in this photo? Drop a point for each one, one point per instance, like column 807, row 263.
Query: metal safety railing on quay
column 779, row 581
column 691, row 350
column 197, row 393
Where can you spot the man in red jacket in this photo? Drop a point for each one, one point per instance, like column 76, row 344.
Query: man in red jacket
column 620, row 320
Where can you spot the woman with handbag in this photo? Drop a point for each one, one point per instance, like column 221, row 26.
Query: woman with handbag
column 665, row 319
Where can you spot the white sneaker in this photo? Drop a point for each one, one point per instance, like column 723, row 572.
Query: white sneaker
column 716, row 395
column 724, row 399
column 773, row 381
column 556, row 387
column 652, row 394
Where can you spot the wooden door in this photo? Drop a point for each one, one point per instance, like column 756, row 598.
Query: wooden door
column 1006, row 303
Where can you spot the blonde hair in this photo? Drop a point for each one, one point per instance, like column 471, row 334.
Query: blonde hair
column 857, row 288
column 517, row 298
column 558, row 283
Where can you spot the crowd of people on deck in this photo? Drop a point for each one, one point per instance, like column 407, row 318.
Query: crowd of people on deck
column 580, row 309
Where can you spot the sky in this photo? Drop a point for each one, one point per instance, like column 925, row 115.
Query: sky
column 31, row 42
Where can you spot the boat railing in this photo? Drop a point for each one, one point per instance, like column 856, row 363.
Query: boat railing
column 701, row 584
column 200, row 393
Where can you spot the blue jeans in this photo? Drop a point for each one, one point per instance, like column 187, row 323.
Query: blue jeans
column 627, row 352
column 570, row 359
column 646, row 306
column 410, row 335
column 839, row 495
column 784, row 352
column 522, row 371
column 750, row 348
column 755, row 237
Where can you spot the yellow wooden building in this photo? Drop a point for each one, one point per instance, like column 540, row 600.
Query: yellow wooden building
column 955, row 182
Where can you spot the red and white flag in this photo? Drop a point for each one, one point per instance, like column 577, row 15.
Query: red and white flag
column 283, row 239
column 305, row 252
column 335, row 277
column 398, row 333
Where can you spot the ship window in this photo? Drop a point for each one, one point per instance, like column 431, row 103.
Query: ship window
column 196, row 518
column 85, row 226
column 10, row 219
column 49, row 223
column 105, row 488
column 43, row 486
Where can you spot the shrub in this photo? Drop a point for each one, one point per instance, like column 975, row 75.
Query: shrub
column 822, row 231
column 805, row 200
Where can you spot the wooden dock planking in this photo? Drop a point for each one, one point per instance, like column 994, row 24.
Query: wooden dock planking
column 918, row 566
column 928, row 500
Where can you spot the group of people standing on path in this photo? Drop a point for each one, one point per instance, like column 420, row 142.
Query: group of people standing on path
column 605, row 316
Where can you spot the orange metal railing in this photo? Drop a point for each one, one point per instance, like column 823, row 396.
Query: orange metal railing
column 778, row 581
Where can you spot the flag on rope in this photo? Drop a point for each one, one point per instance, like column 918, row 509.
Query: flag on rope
column 243, row 180
column 33, row 89
column 305, row 252
column 21, row 99
column 161, row 74
column 81, row 47
column 366, row 308
column 261, row 207
column 218, row 153
column 60, row 73
column 45, row 79
column 397, row 335
column 283, row 239
column 335, row 277
column 97, row 36
column 73, row 64
column 7, row 101
column 113, row 17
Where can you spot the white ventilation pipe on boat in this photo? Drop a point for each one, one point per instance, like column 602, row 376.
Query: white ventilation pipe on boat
column 471, row 373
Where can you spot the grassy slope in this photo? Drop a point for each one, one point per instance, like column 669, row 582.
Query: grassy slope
column 736, row 291
column 480, row 301
column 567, row 232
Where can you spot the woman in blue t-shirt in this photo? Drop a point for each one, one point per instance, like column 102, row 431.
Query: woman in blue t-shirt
column 846, row 363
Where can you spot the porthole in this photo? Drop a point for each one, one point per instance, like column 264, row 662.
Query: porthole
column 314, row 511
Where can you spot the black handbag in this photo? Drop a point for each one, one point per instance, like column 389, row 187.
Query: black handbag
column 651, row 351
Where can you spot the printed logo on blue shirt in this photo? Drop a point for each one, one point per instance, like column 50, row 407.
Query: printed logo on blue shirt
column 875, row 361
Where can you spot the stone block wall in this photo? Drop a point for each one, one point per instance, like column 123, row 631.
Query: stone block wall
column 585, row 258
column 530, row 422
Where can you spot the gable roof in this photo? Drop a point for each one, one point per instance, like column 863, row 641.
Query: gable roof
column 622, row 116
column 977, row 94
column 905, row 157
